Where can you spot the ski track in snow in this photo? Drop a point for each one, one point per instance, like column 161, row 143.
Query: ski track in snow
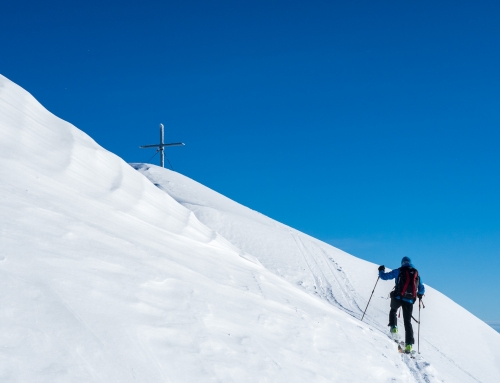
column 322, row 283
column 453, row 362
column 416, row 369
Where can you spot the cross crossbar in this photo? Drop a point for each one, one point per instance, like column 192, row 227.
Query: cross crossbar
column 164, row 145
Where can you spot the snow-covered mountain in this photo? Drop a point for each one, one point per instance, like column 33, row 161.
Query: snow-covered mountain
column 109, row 274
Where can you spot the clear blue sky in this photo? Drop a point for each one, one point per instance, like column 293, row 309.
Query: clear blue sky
column 373, row 125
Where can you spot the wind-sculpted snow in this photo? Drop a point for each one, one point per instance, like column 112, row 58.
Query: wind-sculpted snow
column 104, row 277
column 57, row 156
column 455, row 345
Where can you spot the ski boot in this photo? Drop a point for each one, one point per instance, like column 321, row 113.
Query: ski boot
column 394, row 333
column 408, row 349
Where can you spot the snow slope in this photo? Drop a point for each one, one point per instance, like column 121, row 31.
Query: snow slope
column 104, row 277
column 456, row 346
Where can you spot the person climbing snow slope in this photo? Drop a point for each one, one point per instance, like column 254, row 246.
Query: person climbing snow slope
column 408, row 288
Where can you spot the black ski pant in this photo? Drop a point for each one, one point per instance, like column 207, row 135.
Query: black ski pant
column 407, row 312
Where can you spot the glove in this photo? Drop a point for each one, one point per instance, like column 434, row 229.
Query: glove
column 419, row 296
column 381, row 268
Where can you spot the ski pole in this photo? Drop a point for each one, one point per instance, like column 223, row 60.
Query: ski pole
column 370, row 298
column 419, row 301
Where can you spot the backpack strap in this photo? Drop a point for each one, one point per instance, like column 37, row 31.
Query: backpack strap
column 415, row 283
column 407, row 282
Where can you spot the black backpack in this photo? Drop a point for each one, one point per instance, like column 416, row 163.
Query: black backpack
column 407, row 283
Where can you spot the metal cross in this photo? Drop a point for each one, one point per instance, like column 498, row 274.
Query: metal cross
column 161, row 146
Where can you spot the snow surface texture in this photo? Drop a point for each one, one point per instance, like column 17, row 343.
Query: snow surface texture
column 455, row 345
column 105, row 277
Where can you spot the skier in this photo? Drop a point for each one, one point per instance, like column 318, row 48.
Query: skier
column 408, row 288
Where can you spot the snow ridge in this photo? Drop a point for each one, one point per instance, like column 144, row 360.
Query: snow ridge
column 344, row 282
column 105, row 277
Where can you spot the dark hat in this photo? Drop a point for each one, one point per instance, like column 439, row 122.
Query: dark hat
column 406, row 261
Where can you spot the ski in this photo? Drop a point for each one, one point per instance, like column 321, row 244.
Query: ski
column 401, row 346
column 401, row 350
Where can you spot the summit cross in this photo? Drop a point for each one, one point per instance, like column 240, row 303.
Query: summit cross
column 161, row 146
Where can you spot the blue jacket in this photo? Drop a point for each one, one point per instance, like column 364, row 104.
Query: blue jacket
column 394, row 274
